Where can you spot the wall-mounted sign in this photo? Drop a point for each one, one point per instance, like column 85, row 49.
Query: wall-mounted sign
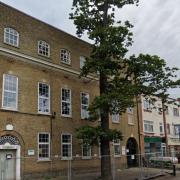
column 31, row 152
column 8, row 156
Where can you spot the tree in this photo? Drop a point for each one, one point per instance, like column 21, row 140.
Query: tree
column 120, row 79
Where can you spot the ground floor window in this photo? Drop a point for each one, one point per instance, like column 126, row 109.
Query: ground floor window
column 86, row 151
column 43, row 146
column 116, row 144
column 66, row 146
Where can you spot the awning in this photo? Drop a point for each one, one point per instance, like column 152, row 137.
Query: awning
column 152, row 139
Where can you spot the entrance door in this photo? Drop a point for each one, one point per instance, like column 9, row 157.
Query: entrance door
column 131, row 146
column 7, row 165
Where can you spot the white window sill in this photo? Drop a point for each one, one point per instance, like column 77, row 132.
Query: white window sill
column 69, row 64
column 115, row 122
column 9, row 109
column 86, row 158
column 66, row 116
column 43, row 160
column 66, row 158
column 131, row 124
column 43, row 113
column 117, row 156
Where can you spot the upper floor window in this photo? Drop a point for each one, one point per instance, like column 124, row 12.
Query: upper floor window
column 43, row 146
column 10, row 91
column 148, row 126
column 66, row 146
column 175, row 112
column 161, row 127
column 65, row 56
column 130, row 119
column 43, row 98
column 82, row 61
column 115, row 118
column 147, row 104
column 66, row 102
column 116, row 144
column 11, row 36
column 84, row 105
column 43, row 48
column 168, row 128
column 130, row 110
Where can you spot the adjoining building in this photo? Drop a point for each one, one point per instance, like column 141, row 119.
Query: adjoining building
column 43, row 101
column 154, row 123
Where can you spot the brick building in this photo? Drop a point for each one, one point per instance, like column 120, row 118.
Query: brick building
column 43, row 100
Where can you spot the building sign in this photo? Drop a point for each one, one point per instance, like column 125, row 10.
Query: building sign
column 31, row 152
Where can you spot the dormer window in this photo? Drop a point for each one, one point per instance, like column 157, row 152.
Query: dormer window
column 65, row 56
column 43, row 48
column 11, row 36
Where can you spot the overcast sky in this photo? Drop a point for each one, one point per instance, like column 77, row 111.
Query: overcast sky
column 156, row 24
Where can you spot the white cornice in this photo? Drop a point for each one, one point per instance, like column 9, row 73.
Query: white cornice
column 27, row 58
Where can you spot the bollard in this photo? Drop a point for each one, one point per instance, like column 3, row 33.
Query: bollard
column 174, row 170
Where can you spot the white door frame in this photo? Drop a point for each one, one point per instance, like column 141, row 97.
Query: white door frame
column 8, row 146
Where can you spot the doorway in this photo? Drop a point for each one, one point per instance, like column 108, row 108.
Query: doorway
column 7, row 164
column 131, row 147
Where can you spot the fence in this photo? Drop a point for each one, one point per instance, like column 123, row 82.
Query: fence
column 123, row 167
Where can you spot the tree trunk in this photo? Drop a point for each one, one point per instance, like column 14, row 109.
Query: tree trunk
column 105, row 146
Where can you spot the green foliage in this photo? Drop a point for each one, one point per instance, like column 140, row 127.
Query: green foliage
column 121, row 79
column 93, row 135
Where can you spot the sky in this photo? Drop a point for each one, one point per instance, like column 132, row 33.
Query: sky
column 156, row 24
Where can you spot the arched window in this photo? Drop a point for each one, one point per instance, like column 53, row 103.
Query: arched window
column 65, row 56
column 43, row 48
column 11, row 36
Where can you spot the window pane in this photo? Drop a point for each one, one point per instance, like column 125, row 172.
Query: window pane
column 11, row 36
column 10, row 91
column 43, row 48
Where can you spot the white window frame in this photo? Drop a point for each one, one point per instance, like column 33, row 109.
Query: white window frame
column 82, row 61
column 70, row 102
column 115, row 118
column 14, row 33
column 176, row 113
column 161, row 126
column 49, row 143
column 41, row 112
column 44, row 43
column 64, row 157
column 130, row 119
column 149, row 123
column 117, row 143
column 66, row 59
column 84, row 105
column 3, row 92
column 147, row 104
column 90, row 151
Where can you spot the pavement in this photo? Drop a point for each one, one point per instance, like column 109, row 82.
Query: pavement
column 126, row 174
